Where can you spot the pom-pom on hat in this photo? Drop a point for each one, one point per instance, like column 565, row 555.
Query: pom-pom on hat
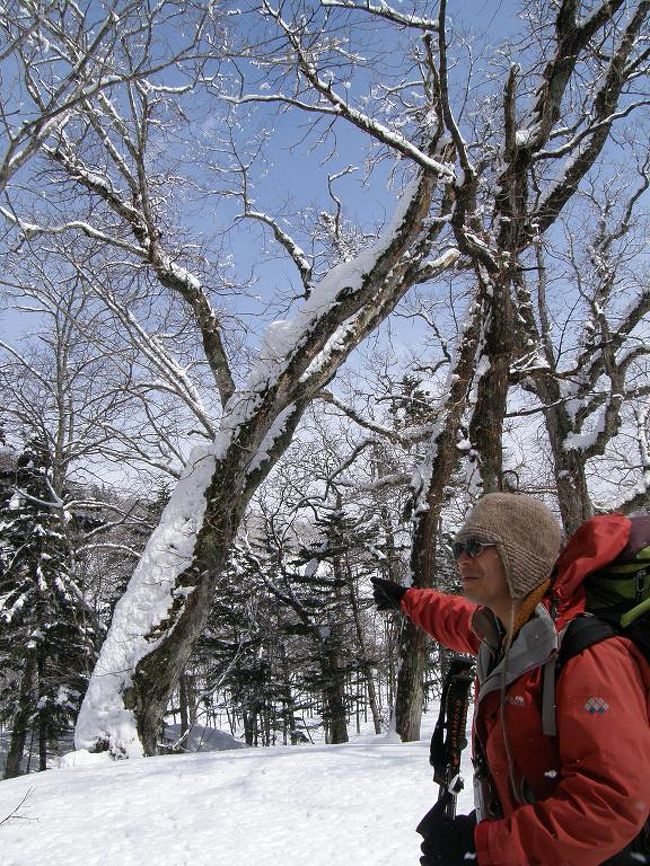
column 526, row 533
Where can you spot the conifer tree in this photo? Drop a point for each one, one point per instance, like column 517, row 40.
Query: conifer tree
column 48, row 634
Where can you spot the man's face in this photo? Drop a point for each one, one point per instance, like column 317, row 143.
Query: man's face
column 484, row 580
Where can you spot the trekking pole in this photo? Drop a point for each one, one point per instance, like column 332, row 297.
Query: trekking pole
column 449, row 739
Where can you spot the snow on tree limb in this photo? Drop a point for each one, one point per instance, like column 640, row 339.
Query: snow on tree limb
column 149, row 250
column 341, row 106
column 299, row 257
column 383, row 10
column 82, row 69
column 171, row 583
column 604, row 106
column 104, row 718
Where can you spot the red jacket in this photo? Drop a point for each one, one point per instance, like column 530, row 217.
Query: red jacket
column 590, row 786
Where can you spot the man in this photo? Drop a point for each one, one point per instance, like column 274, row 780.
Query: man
column 577, row 799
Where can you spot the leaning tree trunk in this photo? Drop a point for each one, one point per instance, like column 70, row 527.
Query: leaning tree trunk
column 162, row 614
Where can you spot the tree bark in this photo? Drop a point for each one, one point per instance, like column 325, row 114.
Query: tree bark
column 568, row 468
column 410, row 691
column 21, row 718
column 334, row 693
column 486, row 426
column 183, row 703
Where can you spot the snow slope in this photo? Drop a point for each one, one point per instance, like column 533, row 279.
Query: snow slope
column 307, row 805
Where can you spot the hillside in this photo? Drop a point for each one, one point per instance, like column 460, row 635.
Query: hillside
column 310, row 806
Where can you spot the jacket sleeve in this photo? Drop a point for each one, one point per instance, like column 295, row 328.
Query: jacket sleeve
column 602, row 798
column 447, row 618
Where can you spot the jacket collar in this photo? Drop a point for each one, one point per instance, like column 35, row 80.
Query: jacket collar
column 534, row 645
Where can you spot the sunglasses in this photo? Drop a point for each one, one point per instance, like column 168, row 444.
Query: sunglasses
column 471, row 546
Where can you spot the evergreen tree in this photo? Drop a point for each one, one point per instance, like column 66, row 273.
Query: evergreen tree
column 242, row 652
column 48, row 633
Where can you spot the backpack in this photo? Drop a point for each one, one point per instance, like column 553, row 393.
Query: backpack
column 617, row 603
column 619, row 594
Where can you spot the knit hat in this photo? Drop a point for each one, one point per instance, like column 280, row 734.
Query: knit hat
column 527, row 536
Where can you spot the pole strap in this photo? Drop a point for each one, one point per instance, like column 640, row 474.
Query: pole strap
column 449, row 738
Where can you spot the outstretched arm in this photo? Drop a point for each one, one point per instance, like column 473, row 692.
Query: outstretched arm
column 447, row 618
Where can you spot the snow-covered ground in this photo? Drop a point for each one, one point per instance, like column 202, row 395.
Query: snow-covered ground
column 312, row 805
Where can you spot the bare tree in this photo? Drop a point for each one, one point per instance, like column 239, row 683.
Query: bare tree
column 65, row 56
column 586, row 396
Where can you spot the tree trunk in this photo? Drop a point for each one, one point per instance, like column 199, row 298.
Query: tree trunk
column 410, row 694
column 428, row 506
column 366, row 668
column 21, row 718
column 288, row 709
column 334, row 692
column 183, row 704
column 42, row 715
column 486, row 426
column 569, row 469
column 249, row 728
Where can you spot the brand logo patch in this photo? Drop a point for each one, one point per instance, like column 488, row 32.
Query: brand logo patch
column 517, row 700
column 596, row 706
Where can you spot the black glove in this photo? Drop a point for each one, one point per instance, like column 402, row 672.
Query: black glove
column 447, row 841
column 387, row 594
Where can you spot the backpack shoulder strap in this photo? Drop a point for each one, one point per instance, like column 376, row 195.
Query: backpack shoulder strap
column 582, row 632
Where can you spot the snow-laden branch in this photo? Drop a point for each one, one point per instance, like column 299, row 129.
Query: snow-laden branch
column 170, row 588
column 338, row 107
column 32, row 230
column 591, row 363
column 297, row 254
column 572, row 37
column 152, row 349
column 641, row 495
column 604, row 107
column 85, row 67
column 341, row 106
column 30, row 368
column 590, row 129
column 401, row 437
column 107, row 545
column 383, row 10
column 149, row 250
column 246, row 98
